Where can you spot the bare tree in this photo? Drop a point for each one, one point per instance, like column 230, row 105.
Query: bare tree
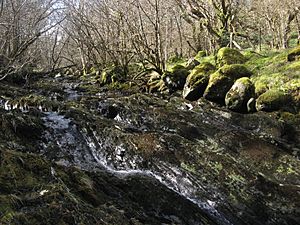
column 22, row 23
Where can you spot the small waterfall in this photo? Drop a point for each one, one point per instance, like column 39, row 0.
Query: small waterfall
column 64, row 143
column 172, row 177
column 67, row 145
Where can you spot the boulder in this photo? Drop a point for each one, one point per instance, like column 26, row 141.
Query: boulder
column 273, row 100
column 197, row 81
column 112, row 74
column 228, row 56
column 222, row 80
column 294, row 54
column 240, row 93
column 175, row 78
column 192, row 63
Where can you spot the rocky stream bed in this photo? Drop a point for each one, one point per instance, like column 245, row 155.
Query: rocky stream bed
column 71, row 156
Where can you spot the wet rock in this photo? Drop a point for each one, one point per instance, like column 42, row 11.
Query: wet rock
column 20, row 131
column 107, row 110
column 228, row 56
column 33, row 190
column 273, row 100
column 222, row 80
column 214, row 165
column 294, row 54
column 39, row 102
column 240, row 93
column 197, row 81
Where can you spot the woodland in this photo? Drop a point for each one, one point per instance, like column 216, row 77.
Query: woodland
column 149, row 112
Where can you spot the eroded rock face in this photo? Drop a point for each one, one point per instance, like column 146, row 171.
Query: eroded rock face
column 33, row 191
column 222, row 80
column 240, row 93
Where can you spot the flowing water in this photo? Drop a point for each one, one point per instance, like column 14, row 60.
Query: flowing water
column 222, row 162
column 67, row 145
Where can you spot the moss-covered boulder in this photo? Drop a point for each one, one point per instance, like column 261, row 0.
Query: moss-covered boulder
column 175, row 78
column 197, row 81
column 294, row 54
column 191, row 64
column 240, row 93
column 228, row 56
column 222, row 80
column 273, row 100
column 200, row 55
column 112, row 74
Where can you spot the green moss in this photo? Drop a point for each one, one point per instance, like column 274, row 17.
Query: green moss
column 13, row 177
column 228, row 56
column 273, row 100
column 187, row 167
column 112, row 74
column 20, row 129
column 218, row 85
column 200, row 55
column 204, row 67
column 199, row 72
column 260, row 88
column 294, row 54
column 290, row 118
column 245, row 81
column 8, row 205
column 222, row 80
column 175, row 78
column 177, row 67
column 176, row 60
column 262, row 63
column 235, row 71
column 271, row 71
column 120, row 86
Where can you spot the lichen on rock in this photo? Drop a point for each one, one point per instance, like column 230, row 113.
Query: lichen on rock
column 240, row 93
